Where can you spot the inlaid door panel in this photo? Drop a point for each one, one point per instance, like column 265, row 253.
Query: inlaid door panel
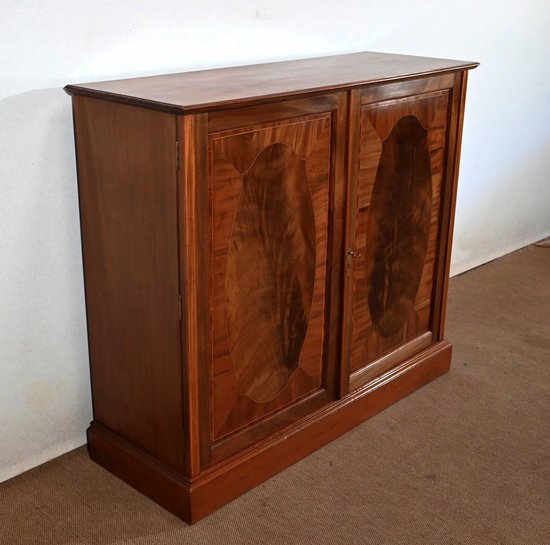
column 271, row 186
column 396, row 226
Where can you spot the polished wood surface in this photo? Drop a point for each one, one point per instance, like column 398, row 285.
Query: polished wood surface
column 163, row 485
column 271, row 191
column 270, row 272
column 193, row 217
column 208, row 89
column 456, row 121
column 128, row 203
column 398, row 226
column 390, row 360
column 401, row 162
column 266, row 270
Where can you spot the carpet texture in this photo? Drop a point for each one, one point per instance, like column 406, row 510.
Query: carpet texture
column 465, row 460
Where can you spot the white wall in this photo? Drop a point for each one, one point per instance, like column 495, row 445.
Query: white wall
column 504, row 197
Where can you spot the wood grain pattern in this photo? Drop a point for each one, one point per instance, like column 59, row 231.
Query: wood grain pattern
column 375, row 238
column 338, row 209
column 270, row 272
column 389, row 360
column 348, row 288
column 128, row 207
column 226, row 329
column 282, row 122
column 270, row 181
column 456, row 120
column 206, row 90
column 193, row 214
column 399, row 225
column 402, row 89
column 247, row 116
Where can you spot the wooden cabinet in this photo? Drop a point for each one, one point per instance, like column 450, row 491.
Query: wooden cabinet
column 266, row 254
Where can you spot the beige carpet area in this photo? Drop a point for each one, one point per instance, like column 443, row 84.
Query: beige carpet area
column 465, row 460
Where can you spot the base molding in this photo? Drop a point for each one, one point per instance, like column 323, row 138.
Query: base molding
column 144, row 473
column 191, row 500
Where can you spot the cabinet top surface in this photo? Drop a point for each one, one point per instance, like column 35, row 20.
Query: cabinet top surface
column 213, row 89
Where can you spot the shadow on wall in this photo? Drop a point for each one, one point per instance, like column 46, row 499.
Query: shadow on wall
column 477, row 228
column 44, row 385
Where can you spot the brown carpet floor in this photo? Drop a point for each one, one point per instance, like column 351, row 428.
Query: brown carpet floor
column 465, row 460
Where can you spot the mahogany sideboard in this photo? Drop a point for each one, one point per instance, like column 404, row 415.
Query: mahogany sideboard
column 266, row 256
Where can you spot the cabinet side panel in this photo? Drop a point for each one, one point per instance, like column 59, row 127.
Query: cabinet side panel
column 128, row 202
column 449, row 201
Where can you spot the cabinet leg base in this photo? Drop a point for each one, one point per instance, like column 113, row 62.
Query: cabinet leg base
column 162, row 485
column 191, row 500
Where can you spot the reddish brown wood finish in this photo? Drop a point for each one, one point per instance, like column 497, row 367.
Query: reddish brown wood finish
column 193, row 229
column 398, row 227
column 456, row 120
column 270, row 254
column 168, row 488
column 250, row 262
column 269, row 249
column 268, row 306
column 390, row 360
column 206, row 90
column 128, row 207
column 401, row 163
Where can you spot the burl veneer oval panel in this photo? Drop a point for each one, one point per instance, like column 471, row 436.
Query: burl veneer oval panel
column 270, row 272
column 399, row 225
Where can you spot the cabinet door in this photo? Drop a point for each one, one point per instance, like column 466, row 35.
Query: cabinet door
column 399, row 166
column 275, row 198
